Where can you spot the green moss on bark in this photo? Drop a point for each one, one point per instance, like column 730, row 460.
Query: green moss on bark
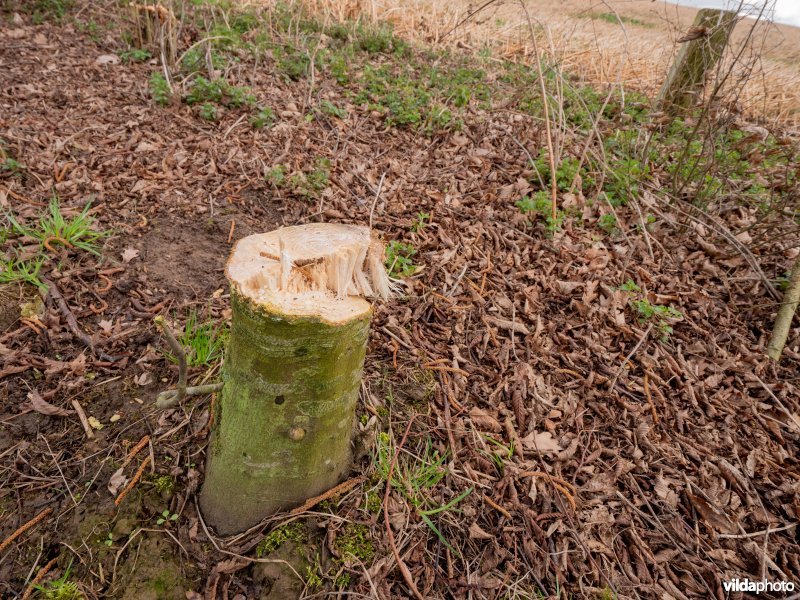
column 285, row 414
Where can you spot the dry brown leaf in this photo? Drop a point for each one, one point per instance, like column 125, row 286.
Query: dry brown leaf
column 129, row 254
column 105, row 326
column 40, row 405
column 476, row 533
column 711, row 515
column 117, row 482
column 484, row 421
column 514, row 326
column 542, row 441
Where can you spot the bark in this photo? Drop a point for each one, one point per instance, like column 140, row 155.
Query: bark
column 783, row 322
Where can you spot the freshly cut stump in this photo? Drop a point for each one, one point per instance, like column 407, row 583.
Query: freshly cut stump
column 283, row 423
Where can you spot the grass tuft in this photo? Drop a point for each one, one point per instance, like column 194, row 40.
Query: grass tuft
column 54, row 228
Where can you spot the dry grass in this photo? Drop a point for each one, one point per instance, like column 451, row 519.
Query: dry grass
column 617, row 42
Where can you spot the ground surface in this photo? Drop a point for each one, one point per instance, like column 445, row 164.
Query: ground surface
column 579, row 449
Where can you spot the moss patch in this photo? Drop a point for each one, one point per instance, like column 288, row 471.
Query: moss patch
column 355, row 541
column 294, row 531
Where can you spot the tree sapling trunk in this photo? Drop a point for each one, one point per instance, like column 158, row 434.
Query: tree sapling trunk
column 283, row 423
column 783, row 322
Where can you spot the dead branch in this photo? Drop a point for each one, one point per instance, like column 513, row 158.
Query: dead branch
column 783, row 322
column 173, row 397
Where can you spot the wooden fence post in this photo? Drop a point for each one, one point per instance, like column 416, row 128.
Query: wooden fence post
column 703, row 46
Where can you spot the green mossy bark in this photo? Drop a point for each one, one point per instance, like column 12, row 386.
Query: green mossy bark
column 282, row 374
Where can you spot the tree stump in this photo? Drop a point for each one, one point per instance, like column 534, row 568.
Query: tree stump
column 283, row 423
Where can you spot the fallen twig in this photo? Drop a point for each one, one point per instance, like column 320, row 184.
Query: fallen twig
column 565, row 487
column 73, row 322
column 345, row 486
column 135, row 450
column 133, row 481
column 783, row 322
column 173, row 397
column 84, row 421
column 38, row 579
column 24, row 528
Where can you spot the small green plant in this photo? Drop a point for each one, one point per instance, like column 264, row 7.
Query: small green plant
column 166, row 517
column 342, row 580
column 441, row 118
column 660, row 316
column 195, row 60
column 11, row 166
column 50, row 9
column 276, row 176
column 308, row 185
column 218, row 91
column 135, row 55
column 499, row 456
column 56, row 229
column 540, row 204
column 374, row 40
column 630, row 286
column 420, row 223
column 204, row 341
column 208, row 112
column 313, row 577
column 329, row 108
column 399, row 257
column 159, row 89
column 164, row 484
column 318, row 179
column 91, row 28
column 109, row 541
column 263, row 118
column 339, row 69
column 292, row 62
column 566, row 170
column 608, row 223
column 22, row 271
column 400, row 96
column 61, row 588
column 294, row 531
column 373, row 502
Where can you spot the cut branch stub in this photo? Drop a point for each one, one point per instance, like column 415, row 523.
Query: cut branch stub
column 292, row 370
